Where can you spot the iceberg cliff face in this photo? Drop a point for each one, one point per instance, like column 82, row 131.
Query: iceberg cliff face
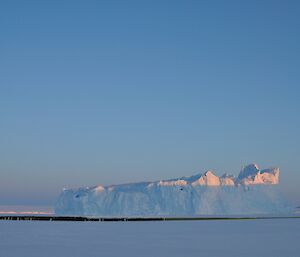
column 254, row 191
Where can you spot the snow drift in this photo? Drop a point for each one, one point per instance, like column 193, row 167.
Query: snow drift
column 254, row 191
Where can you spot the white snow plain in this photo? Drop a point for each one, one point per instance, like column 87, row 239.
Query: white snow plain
column 232, row 238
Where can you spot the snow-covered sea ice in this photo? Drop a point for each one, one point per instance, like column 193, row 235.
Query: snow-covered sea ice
column 231, row 238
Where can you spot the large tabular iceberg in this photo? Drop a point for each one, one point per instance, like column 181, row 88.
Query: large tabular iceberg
column 254, row 191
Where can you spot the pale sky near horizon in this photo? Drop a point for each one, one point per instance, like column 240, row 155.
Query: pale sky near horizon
column 108, row 92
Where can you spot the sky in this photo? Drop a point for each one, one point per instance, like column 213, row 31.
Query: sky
column 108, row 92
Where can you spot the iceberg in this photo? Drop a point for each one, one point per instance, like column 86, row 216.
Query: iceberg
column 254, row 191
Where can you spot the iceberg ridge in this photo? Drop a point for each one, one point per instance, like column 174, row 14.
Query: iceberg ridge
column 254, row 191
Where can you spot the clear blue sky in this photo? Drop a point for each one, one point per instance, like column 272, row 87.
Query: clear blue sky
column 106, row 92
